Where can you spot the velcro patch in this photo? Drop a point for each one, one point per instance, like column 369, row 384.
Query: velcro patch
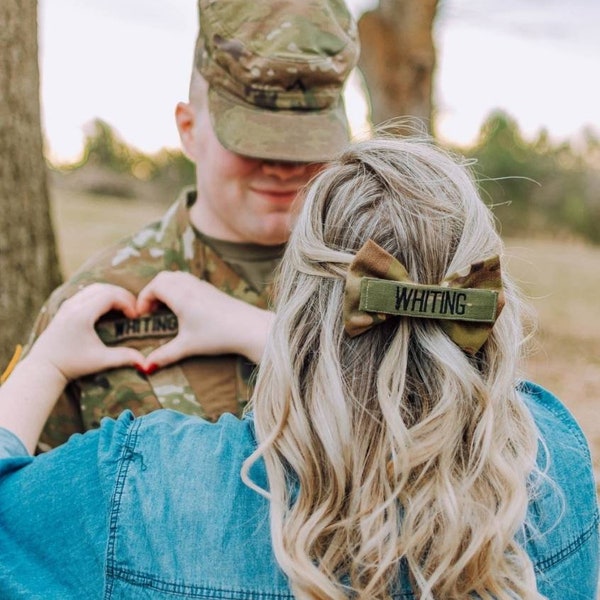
column 114, row 329
column 428, row 301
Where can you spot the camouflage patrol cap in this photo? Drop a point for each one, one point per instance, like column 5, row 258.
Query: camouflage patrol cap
column 276, row 71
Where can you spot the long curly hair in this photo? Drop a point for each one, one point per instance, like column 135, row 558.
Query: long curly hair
column 395, row 446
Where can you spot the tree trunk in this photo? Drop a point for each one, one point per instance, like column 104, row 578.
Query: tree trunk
column 29, row 268
column 398, row 58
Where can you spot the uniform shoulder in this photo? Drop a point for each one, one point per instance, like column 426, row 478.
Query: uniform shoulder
column 156, row 233
column 133, row 260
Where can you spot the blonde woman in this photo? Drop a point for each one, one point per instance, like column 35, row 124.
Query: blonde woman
column 392, row 450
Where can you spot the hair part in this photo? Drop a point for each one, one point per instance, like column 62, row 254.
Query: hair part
column 395, row 446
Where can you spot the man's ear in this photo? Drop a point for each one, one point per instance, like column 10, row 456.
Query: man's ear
column 185, row 118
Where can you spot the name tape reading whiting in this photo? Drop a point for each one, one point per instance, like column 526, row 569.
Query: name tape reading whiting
column 428, row 301
column 118, row 329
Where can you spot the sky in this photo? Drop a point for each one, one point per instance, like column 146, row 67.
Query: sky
column 128, row 63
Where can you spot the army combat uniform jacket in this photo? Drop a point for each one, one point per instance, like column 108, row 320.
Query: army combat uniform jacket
column 206, row 386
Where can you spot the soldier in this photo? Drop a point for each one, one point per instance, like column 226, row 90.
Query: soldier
column 265, row 111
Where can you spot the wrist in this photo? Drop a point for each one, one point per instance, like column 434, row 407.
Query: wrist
column 251, row 339
column 27, row 397
column 44, row 369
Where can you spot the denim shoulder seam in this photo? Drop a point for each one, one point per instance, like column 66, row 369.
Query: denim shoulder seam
column 139, row 579
column 570, row 548
column 574, row 428
column 147, row 581
column 561, row 413
column 127, row 455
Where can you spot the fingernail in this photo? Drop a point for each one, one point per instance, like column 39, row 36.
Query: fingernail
column 151, row 368
column 139, row 368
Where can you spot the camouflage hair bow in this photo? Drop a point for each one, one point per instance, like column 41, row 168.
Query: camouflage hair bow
column 466, row 303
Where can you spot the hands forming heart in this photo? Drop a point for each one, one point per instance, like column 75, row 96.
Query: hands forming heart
column 210, row 322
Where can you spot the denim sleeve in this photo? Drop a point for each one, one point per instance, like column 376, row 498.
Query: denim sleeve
column 11, row 447
column 563, row 540
column 53, row 514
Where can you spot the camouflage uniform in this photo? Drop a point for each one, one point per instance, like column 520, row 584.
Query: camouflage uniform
column 205, row 386
column 275, row 72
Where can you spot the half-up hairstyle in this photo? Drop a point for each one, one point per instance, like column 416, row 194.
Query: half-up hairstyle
column 394, row 447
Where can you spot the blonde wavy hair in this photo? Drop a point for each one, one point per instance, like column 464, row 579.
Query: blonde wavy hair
column 394, row 447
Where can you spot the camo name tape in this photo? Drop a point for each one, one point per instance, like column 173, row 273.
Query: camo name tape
column 117, row 330
column 428, row 301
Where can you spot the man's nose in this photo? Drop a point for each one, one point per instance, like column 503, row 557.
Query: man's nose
column 284, row 170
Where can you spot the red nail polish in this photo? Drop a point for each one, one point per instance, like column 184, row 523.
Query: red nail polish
column 139, row 368
column 152, row 367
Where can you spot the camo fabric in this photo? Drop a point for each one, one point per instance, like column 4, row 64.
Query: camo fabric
column 278, row 66
column 203, row 386
column 466, row 304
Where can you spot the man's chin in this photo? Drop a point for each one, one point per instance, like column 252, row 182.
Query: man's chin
column 276, row 235
column 274, row 240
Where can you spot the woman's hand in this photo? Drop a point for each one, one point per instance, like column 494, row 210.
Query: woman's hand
column 67, row 349
column 71, row 344
column 210, row 321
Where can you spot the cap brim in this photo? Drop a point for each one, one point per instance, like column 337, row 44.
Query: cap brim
column 284, row 135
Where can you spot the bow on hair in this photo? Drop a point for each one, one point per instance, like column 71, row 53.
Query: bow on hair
column 466, row 303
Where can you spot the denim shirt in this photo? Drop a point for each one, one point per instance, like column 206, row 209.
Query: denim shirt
column 154, row 508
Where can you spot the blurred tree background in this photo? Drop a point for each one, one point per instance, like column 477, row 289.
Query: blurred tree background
column 28, row 258
column 397, row 58
column 535, row 187
column 111, row 167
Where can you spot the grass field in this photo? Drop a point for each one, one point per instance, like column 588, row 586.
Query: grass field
column 562, row 281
